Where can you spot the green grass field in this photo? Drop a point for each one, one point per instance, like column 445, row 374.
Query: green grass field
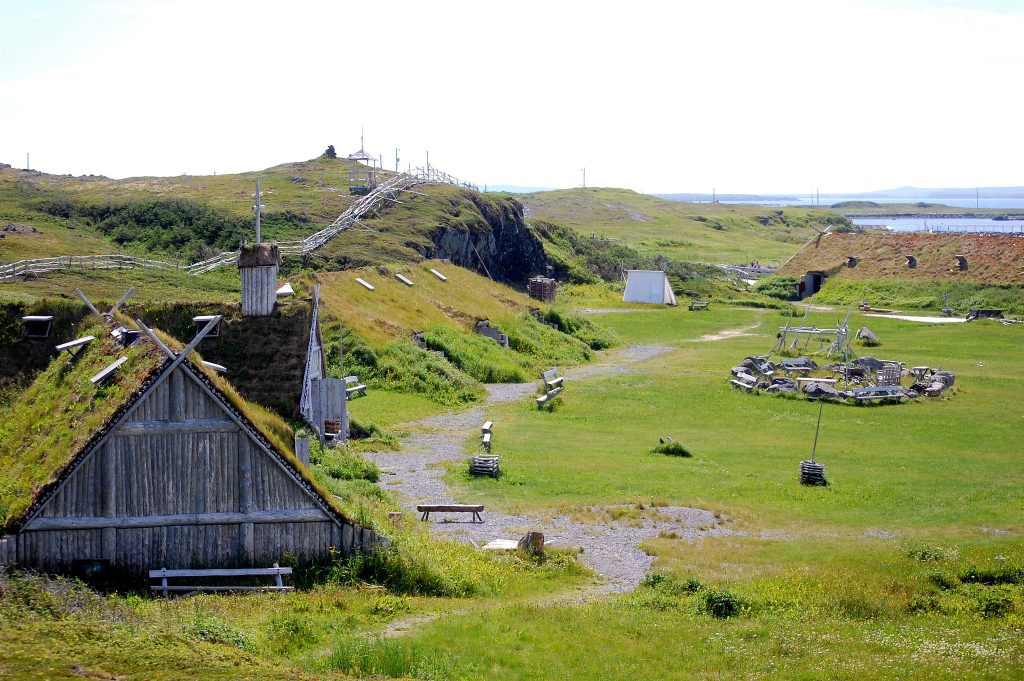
column 909, row 565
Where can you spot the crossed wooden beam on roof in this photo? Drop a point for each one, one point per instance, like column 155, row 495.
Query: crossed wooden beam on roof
column 179, row 357
column 111, row 311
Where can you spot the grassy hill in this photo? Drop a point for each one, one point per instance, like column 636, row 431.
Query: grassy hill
column 702, row 232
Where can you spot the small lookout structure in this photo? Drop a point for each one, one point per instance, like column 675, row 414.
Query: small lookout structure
column 363, row 177
column 166, row 467
column 648, row 286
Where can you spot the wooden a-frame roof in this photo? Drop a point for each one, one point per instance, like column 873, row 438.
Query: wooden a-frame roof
column 62, row 417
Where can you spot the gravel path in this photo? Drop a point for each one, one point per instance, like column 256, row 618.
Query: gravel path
column 609, row 548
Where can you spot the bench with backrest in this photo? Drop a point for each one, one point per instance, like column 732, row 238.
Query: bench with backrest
column 552, row 385
column 699, row 304
column 551, row 379
column 163, row 574
column 427, row 509
column 353, row 387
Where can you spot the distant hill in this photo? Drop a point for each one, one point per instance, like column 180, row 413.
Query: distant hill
column 706, row 198
column 698, row 232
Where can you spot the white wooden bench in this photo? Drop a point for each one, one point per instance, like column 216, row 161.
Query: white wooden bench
column 427, row 509
column 163, row 574
column 77, row 346
column 356, row 388
column 485, row 435
column 744, row 381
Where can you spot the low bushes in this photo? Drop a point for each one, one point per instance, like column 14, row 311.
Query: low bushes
column 671, row 448
column 783, row 288
column 596, row 337
column 404, row 367
column 478, row 356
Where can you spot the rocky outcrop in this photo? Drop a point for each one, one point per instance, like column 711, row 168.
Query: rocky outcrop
column 496, row 238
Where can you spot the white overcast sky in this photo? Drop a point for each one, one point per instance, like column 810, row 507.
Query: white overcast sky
column 744, row 96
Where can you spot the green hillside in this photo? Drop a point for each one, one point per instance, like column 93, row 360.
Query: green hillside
column 700, row 232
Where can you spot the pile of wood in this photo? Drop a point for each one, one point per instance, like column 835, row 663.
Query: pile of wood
column 543, row 289
column 812, row 473
column 485, row 465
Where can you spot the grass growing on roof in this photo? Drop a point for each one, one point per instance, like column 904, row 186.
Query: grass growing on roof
column 60, row 412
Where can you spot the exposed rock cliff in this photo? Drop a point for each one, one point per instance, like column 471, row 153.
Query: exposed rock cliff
column 471, row 229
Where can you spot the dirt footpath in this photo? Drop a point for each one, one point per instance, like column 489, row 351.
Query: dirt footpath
column 609, row 548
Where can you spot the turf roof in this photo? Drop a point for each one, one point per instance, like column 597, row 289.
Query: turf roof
column 59, row 415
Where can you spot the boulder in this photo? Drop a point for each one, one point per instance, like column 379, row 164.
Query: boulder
column 864, row 333
column 869, row 364
column 820, row 390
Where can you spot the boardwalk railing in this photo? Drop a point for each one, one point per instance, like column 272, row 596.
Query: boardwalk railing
column 385, row 192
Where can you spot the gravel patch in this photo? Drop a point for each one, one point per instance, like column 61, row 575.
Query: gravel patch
column 610, row 549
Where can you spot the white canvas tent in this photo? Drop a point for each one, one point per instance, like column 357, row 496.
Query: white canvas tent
column 648, row 286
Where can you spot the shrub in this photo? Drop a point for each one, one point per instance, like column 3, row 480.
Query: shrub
column 594, row 336
column 213, row 630
column 478, row 356
column 541, row 345
column 783, row 288
column 927, row 553
column 671, row 448
column 943, row 580
column 1003, row 574
column 401, row 366
column 341, row 464
column 720, row 603
column 994, row 602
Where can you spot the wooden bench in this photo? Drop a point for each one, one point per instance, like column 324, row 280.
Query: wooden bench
column 75, row 347
column 163, row 574
column 357, row 389
column 427, row 509
column 699, row 304
column 551, row 379
column 543, row 399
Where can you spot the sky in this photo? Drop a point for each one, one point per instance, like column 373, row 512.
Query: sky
column 786, row 96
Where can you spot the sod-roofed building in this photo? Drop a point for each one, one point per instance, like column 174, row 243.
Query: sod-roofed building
column 161, row 464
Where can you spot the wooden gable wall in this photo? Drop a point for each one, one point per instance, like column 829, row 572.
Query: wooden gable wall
column 179, row 483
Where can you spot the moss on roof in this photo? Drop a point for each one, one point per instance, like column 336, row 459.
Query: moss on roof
column 60, row 412
column 58, row 416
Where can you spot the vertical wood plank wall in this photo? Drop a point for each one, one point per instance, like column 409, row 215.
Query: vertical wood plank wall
column 137, row 474
column 259, row 290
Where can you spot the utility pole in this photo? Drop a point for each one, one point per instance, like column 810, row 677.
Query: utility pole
column 257, row 209
column 396, row 159
column 713, row 198
column 584, row 177
column 28, row 166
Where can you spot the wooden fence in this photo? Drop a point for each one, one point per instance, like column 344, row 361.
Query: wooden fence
column 385, row 192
